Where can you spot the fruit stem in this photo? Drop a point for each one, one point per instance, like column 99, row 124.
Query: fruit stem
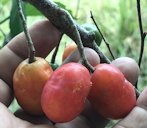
column 55, row 52
column 59, row 17
column 81, row 49
column 107, row 44
column 31, row 47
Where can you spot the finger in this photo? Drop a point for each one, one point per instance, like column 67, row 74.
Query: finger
column 137, row 117
column 44, row 36
column 78, row 122
column 142, row 100
column 41, row 126
column 4, row 110
column 20, row 113
column 6, row 95
column 5, row 116
column 95, row 119
column 8, row 120
column 8, row 63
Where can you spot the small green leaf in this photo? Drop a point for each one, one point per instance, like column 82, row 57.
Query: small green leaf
column 92, row 28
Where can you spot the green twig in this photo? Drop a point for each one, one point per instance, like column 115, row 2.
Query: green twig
column 55, row 53
column 53, row 12
column 142, row 34
column 4, row 20
column 29, row 40
column 60, row 16
column 107, row 44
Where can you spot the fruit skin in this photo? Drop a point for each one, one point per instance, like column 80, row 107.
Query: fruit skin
column 68, row 50
column 128, row 67
column 63, row 97
column 91, row 55
column 28, row 82
column 92, row 28
column 111, row 94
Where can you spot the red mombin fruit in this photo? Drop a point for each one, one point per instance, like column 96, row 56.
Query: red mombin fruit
column 111, row 94
column 28, row 82
column 63, row 97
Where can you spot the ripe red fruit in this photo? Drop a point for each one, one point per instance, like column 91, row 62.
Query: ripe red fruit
column 111, row 94
column 28, row 82
column 63, row 97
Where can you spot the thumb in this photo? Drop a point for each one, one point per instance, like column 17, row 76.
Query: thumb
column 137, row 117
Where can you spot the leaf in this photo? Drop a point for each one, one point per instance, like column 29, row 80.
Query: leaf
column 31, row 10
column 15, row 21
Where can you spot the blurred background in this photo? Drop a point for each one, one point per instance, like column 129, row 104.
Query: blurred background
column 117, row 19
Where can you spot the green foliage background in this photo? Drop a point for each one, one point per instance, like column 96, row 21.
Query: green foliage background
column 117, row 20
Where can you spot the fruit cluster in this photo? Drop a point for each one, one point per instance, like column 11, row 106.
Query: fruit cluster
column 61, row 94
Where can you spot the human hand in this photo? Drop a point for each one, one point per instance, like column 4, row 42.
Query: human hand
column 23, row 120
column 8, row 120
column 88, row 119
column 137, row 117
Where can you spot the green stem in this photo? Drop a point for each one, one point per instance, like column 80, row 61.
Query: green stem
column 31, row 47
column 55, row 53
column 107, row 44
column 59, row 19
column 4, row 20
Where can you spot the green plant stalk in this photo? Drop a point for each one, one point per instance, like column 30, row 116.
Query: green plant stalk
column 31, row 47
column 141, row 32
column 60, row 19
column 142, row 35
column 55, row 52
column 107, row 44
column 4, row 20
